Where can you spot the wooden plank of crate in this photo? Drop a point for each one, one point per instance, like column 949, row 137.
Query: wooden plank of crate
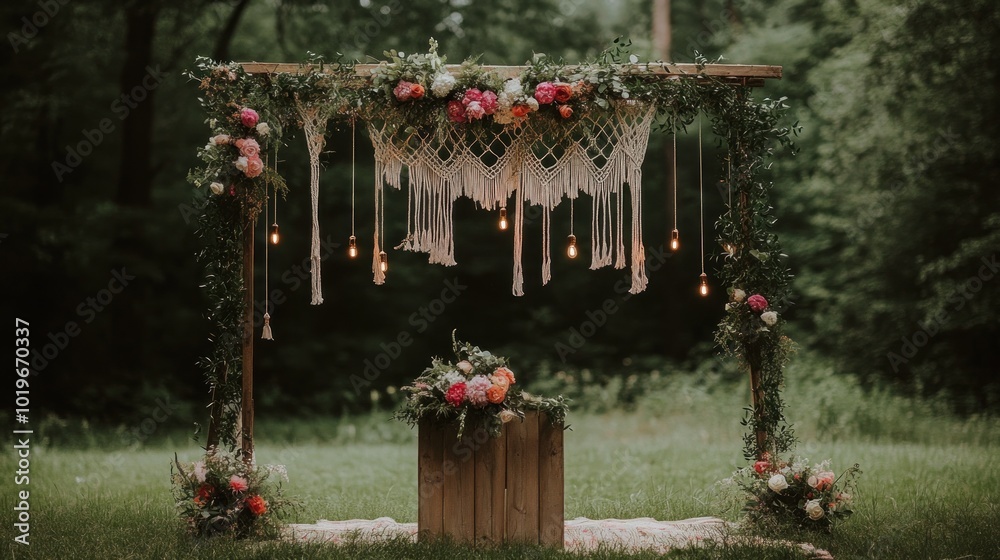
column 522, row 479
column 551, row 520
column 430, row 480
column 459, row 487
column 491, row 479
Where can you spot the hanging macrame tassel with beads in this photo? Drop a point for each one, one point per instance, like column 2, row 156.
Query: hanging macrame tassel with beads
column 266, row 335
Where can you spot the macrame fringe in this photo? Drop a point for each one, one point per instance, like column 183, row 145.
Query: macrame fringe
column 546, row 246
column 314, row 126
column 518, row 288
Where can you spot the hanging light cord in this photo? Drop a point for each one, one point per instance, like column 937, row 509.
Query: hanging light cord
column 571, row 216
column 673, row 164
column 352, row 175
column 701, row 194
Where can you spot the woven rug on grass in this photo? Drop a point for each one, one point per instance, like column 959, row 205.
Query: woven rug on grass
column 582, row 534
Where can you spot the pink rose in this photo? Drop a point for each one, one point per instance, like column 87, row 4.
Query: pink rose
column 232, row 190
column 489, row 102
column 455, row 394
column 254, row 167
column 248, row 147
column 249, row 117
column 238, row 483
column 456, row 111
column 545, row 93
column 475, row 111
column 219, row 140
column 472, row 95
column 403, row 90
column 757, row 303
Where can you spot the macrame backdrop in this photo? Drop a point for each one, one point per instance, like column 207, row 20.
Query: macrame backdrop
column 539, row 162
column 314, row 119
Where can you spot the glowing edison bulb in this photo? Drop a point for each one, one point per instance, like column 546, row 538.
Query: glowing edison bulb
column 383, row 261
column 352, row 247
column 675, row 240
column 571, row 251
column 503, row 219
column 703, row 288
column 274, row 237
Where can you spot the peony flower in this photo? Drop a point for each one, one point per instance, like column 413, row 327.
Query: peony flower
column 761, row 467
column 814, row 510
column 199, row 468
column 496, row 394
column 403, row 90
column 455, row 394
column 254, row 167
column 545, row 93
column 263, row 129
column 456, row 111
column 241, row 163
column 739, row 295
column 465, row 366
column 520, row 111
column 249, row 117
column 238, row 483
column 563, row 92
column 757, row 303
column 443, row 84
column 472, row 95
column 475, row 111
column 566, row 111
column 506, row 372
column 770, row 318
column 248, row 147
column 219, row 140
column 475, row 390
column 513, row 86
column 217, row 188
column 489, row 102
column 257, row 505
column 777, row 483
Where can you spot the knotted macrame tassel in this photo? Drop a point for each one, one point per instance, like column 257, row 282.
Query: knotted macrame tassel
column 266, row 335
column 546, row 247
column 314, row 125
column 518, row 287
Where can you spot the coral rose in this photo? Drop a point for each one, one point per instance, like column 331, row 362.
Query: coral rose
column 566, row 111
column 545, row 93
column 496, row 394
column 254, row 167
column 249, row 117
column 757, row 303
column 506, row 372
column 257, row 505
column 238, row 483
column 520, row 111
column 456, row 111
column 563, row 92
column 416, row 91
column 456, row 394
column 500, row 381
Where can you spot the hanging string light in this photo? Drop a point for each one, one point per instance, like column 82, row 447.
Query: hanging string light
column 571, row 250
column 383, row 261
column 703, row 283
column 503, row 218
column 352, row 242
column 675, row 235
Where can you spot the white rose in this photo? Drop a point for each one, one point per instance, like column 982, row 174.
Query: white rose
column 814, row 510
column 216, row 187
column 532, row 103
column 241, row 163
column 729, row 306
column 465, row 366
column 263, row 129
column 443, row 84
column 739, row 295
column 777, row 483
column 513, row 86
column 770, row 318
column 812, row 481
column 199, row 467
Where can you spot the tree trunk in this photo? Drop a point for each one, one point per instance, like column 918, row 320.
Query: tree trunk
column 661, row 29
column 134, row 176
column 225, row 37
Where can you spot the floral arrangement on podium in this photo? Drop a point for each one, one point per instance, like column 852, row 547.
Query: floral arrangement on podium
column 811, row 496
column 222, row 495
column 478, row 387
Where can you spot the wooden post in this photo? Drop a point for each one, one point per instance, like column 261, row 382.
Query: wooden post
column 247, row 400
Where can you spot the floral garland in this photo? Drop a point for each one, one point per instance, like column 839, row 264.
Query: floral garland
column 479, row 387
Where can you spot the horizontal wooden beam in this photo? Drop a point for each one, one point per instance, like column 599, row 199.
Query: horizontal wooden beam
column 745, row 74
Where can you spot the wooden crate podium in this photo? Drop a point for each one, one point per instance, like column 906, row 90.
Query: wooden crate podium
column 484, row 491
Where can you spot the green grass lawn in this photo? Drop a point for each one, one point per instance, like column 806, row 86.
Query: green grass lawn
column 930, row 488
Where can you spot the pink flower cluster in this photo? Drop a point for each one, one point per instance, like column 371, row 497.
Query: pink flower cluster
column 481, row 389
column 249, row 162
column 559, row 93
column 408, row 91
column 757, row 303
column 474, row 105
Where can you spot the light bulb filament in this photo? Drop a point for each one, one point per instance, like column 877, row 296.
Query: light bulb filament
column 274, row 237
column 352, row 247
column 675, row 240
column 703, row 287
column 503, row 219
column 383, row 261
column 571, row 250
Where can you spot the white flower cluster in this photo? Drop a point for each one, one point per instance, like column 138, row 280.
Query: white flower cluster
column 443, row 84
column 511, row 94
column 449, row 379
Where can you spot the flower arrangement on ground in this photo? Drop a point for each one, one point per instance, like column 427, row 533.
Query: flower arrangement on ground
column 811, row 496
column 478, row 387
column 221, row 495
